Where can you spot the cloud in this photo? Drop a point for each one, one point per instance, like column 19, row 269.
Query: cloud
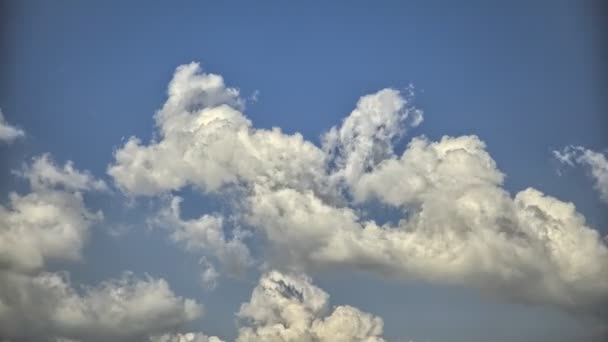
column 187, row 337
column 43, row 173
column 9, row 133
column 51, row 222
column 205, row 235
column 458, row 224
column 212, row 144
column 595, row 161
column 287, row 307
column 365, row 137
column 47, row 223
column 126, row 309
column 209, row 275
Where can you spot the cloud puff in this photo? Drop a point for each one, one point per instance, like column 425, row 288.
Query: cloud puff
column 366, row 136
column 52, row 223
column 207, row 142
column 9, row 133
column 458, row 224
column 595, row 161
column 205, row 235
column 47, row 223
column 286, row 307
column 43, row 174
column 125, row 309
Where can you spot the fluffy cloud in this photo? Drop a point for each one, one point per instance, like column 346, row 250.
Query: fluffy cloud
column 595, row 161
column 44, row 174
column 9, row 133
column 206, row 235
column 522, row 248
column 125, row 309
column 285, row 307
column 47, row 223
column 205, row 141
column 365, row 137
column 52, row 223
column 458, row 224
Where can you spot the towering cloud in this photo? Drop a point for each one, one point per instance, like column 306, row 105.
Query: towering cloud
column 9, row 133
column 458, row 224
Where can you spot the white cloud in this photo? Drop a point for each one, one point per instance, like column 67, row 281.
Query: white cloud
column 595, row 161
column 47, row 223
column 212, row 144
column 206, row 235
column 366, row 136
column 459, row 226
column 533, row 248
column 43, row 173
column 51, row 222
column 9, row 133
column 285, row 307
column 41, row 226
column 126, row 309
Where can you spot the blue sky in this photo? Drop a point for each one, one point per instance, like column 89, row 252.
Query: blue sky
column 81, row 78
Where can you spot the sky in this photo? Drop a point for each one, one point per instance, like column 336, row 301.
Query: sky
column 303, row 171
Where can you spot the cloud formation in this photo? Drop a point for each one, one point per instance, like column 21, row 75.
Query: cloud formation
column 125, row 309
column 9, row 133
column 205, row 235
column 595, row 161
column 458, row 224
column 288, row 307
column 48, row 222
column 52, row 223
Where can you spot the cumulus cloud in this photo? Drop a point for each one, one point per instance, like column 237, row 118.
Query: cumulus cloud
column 288, row 307
column 44, row 173
column 366, row 136
column 595, row 161
column 205, row 141
column 125, row 309
column 47, row 223
column 458, row 224
column 51, row 222
column 206, row 235
column 9, row 133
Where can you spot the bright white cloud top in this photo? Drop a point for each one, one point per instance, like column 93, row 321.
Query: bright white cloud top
column 459, row 225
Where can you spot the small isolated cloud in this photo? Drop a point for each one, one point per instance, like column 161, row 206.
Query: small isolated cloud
column 595, row 161
column 9, row 133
